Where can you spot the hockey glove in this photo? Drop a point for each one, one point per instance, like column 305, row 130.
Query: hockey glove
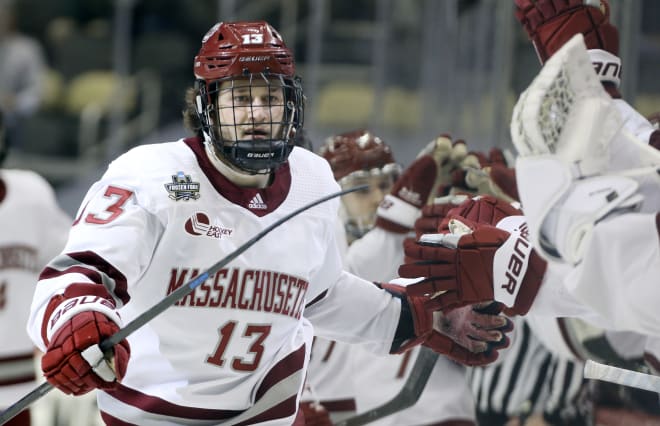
column 401, row 207
column 470, row 335
column 486, row 209
column 551, row 23
column 503, row 181
column 431, row 171
column 474, row 175
column 479, row 263
column 76, row 324
column 433, row 214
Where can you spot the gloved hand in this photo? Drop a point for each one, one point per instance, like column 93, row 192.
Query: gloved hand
column 475, row 263
column 401, row 207
column 73, row 361
column 470, row 335
column 433, row 214
column 483, row 209
column 551, row 23
column 503, row 182
column 475, row 176
column 315, row 414
column 428, row 175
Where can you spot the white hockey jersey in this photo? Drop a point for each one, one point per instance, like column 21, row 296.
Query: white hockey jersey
column 34, row 230
column 235, row 350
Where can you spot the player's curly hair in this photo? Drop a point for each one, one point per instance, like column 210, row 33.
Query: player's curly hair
column 191, row 119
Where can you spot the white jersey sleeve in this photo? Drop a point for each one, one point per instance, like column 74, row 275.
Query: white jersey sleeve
column 376, row 256
column 356, row 311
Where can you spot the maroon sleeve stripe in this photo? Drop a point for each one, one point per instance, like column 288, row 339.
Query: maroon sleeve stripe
column 93, row 267
column 152, row 404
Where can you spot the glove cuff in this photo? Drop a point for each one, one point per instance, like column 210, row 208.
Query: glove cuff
column 412, row 307
column 68, row 308
column 395, row 215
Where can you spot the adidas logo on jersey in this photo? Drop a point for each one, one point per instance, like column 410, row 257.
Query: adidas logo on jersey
column 257, row 203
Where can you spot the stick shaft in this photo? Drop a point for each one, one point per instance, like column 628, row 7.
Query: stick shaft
column 621, row 376
column 407, row 396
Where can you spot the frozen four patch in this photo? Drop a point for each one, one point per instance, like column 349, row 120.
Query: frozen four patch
column 182, row 187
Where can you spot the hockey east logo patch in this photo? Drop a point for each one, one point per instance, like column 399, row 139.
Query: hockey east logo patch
column 182, row 187
column 199, row 224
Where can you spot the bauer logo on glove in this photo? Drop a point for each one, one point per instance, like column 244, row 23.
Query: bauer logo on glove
column 476, row 263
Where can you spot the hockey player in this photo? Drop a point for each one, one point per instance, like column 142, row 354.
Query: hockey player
column 339, row 372
column 235, row 350
column 34, row 229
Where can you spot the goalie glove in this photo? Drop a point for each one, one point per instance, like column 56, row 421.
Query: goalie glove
column 470, row 335
column 475, row 263
column 76, row 322
column 551, row 23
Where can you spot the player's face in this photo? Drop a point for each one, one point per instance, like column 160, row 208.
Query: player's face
column 251, row 110
column 361, row 205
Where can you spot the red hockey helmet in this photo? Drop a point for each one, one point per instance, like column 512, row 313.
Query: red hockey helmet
column 248, row 54
column 359, row 150
column 356, row 158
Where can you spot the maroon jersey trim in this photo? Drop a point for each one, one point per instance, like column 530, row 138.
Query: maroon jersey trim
column 283, row 369
column 338, row 405
column 93, row 260
column 271, row 197
column 20, row 367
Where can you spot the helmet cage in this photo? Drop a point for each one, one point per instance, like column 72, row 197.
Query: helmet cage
column 252, row 155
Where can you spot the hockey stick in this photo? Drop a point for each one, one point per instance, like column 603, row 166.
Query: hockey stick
column 407, row 396
column 168, row 301
column 621, row 376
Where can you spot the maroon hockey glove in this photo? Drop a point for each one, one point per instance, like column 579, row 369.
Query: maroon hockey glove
column 505, row 179
column 315, row 414
column 484, row 265
column 399, row 210
column 433, row 214
column 551, row 23
column 73, row 361
column 486, row 209
column 482, row 174
column 468, row 335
